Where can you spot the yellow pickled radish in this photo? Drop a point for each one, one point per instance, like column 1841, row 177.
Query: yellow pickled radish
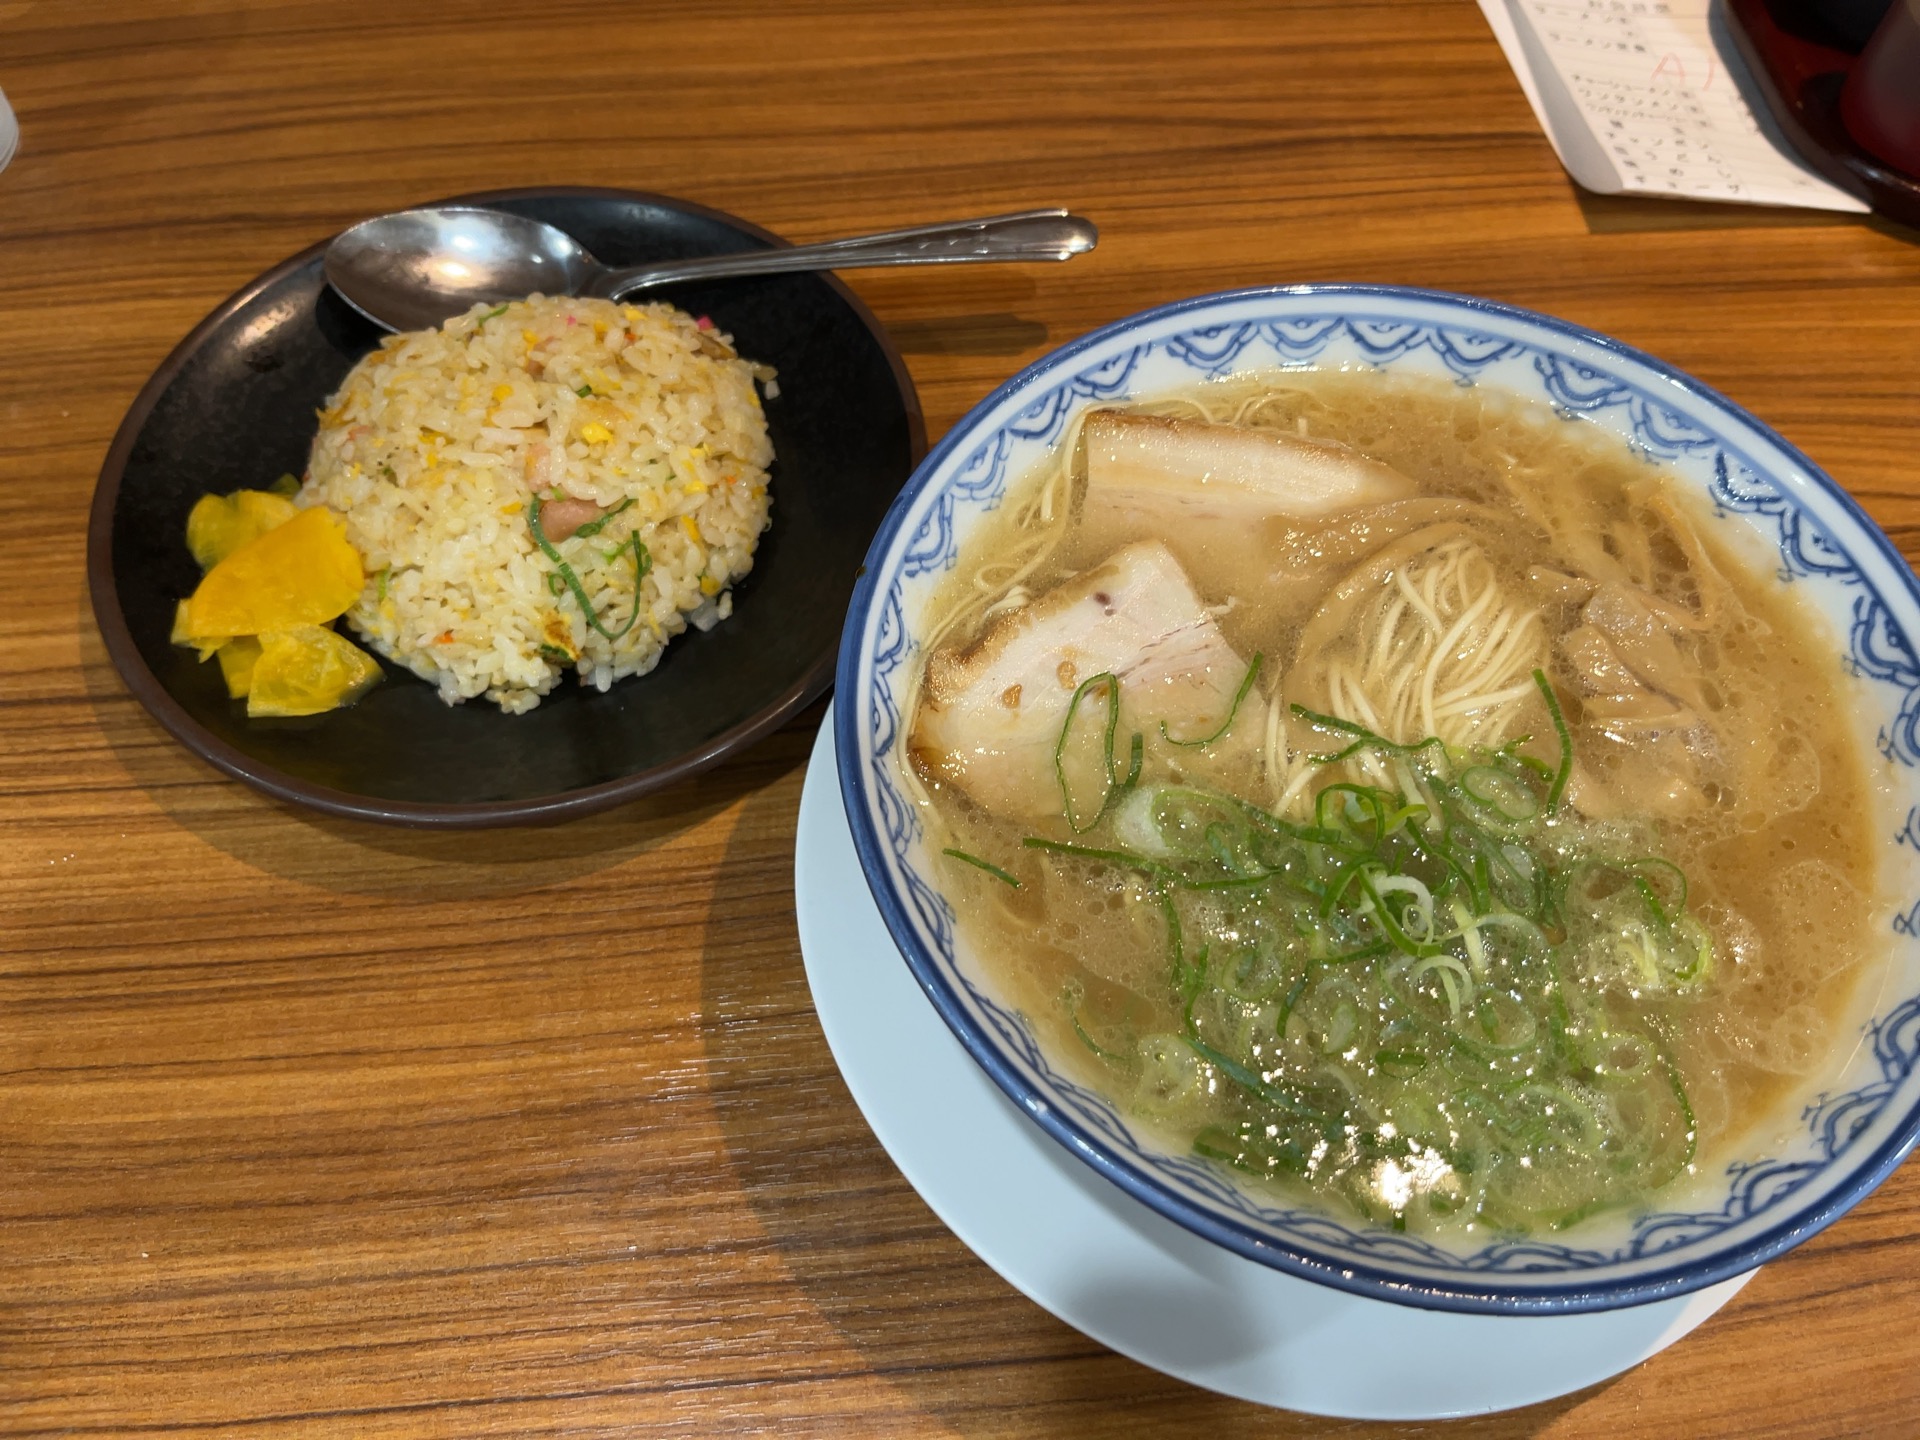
column 304, row 572
column 218, row 525
column 237, row 658
column 182, row 634
column 307, row 669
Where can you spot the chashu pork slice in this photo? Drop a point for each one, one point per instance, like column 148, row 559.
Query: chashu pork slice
column 1154, row 471
column 990, row 714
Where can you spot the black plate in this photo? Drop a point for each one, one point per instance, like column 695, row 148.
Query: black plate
column 234, row 406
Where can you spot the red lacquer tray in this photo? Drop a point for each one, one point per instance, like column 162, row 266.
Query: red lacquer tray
column 1800, row 80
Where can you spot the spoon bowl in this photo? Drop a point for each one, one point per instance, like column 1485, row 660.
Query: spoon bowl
column 419, row 268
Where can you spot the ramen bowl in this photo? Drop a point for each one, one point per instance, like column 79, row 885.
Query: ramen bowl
column 1789, row 1176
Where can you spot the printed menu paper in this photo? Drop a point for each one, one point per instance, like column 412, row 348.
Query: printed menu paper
column 1648, row 97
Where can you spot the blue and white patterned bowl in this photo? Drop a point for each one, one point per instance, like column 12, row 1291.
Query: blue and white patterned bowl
column 1850, row 1131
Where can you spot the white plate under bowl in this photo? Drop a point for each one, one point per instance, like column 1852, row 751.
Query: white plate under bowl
column 1080, row 1247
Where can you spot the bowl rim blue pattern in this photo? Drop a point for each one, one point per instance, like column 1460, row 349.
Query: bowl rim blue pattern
column 1357, row 1277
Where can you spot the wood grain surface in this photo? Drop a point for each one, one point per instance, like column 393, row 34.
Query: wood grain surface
column 309, row 1128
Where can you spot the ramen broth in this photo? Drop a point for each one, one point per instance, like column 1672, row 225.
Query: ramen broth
column 1485, row 849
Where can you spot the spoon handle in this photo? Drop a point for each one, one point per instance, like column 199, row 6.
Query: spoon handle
column 1027, row 235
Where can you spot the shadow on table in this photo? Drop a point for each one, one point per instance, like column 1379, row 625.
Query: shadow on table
column 1001, row 334
column 919, row 1308
column 358, row 857
column 1629, row 214
column 1633, row 214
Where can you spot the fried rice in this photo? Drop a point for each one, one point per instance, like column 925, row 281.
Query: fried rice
column 550, row 485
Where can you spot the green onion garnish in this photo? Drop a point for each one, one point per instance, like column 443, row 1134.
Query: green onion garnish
column 1566, row 742
column 594, row 527
column 1246, row 684
column 642, row 563
column 1428, row 945
column 1368, row 739
column 979, row 864
column 1111, row 683
column 1088, row 852
column 1087, row 1040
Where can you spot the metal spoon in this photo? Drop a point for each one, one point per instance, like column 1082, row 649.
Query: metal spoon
column 416, row 268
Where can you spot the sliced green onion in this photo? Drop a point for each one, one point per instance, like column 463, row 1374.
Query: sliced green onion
column 1400, row 1059
column 1094, row 1045
column 1566, row 742
column 1254, row 1085
column 594, row 527
column 1649, row 865
column 1500, row 792
column 1246, row 684
column 1071, row 994
column 1369, row 740
column 1088, row 852
column 1111, row 683
column 1584, row 1212
column 642, row 563
column 979, row 864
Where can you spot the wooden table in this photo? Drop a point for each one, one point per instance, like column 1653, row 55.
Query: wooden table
column 315, row 1128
